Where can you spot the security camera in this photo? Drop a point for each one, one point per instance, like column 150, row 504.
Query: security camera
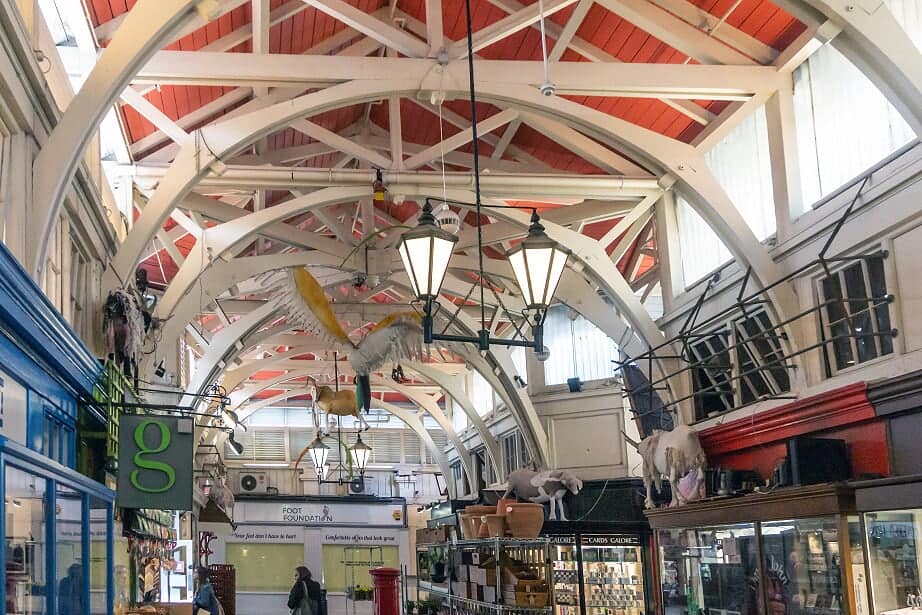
column 544, row 355
column 547, row 88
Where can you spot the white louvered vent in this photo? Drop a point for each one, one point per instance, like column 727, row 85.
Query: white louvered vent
column 412, row 447
column 385, row 445
column 259, row 445
column 439, row 437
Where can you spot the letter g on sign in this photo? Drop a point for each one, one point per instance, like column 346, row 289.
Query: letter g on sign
column 149, row 465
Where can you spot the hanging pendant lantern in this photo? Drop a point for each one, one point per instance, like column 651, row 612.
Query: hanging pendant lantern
column 537, row 263
column 425, row 251
column 360, row 454
column 319, row 453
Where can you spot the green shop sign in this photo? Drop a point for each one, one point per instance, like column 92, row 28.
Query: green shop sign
column 155, row 462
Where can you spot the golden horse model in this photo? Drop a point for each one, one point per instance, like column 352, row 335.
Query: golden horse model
column 339, row 403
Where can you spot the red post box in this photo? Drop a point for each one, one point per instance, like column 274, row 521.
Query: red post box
column 387, row 592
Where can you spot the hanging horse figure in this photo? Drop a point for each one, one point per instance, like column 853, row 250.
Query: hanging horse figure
column 338, row 403
column 398, row 336
column 123, row 326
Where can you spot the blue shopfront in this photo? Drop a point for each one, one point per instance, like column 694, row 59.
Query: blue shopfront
column 57, row 524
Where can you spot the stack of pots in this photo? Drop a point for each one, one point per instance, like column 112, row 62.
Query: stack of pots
column 472, row 523
column 508, row 518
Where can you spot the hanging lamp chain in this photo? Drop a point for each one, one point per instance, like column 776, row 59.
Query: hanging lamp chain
column 476, row 152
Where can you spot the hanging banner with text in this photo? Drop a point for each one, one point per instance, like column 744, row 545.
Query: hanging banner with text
column 155, row 462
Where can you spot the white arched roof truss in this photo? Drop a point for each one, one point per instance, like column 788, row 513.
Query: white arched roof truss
column 427, row 403
column 144, row 31
column 683, row 161
column 224, row 274
column 450, row 385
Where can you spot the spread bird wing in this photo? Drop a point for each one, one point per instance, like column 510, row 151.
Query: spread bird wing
column 399, row 336
column 307, row 304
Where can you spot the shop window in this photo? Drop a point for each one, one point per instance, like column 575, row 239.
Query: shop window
column 739, row 365
column 345, row 567
column 710, row 570
column 578, row 348
column 70, row 569
column 57, row 436
column 264, row 567
column 802, row 567
column 856, row 316
column 894, row 557
column 25, row 575
column 100, row 513
column 836, row 141
column 79, row 291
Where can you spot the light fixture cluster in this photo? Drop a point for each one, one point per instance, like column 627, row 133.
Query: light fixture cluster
column 320, row 453
column 537, row 264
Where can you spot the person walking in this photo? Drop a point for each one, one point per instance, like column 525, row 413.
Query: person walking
column 304, row 597
column 205, row 598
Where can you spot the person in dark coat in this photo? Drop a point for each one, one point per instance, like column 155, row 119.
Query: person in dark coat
column 70, row 592
column 305, row 587
column 205, row 597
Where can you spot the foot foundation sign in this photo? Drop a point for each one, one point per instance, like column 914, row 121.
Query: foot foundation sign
column 155, row 462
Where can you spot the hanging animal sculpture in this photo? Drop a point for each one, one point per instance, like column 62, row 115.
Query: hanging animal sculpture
column 222, row 496
column 674, row 454
column 338, row 403
column 399, row 336
column 544, row 486
column 123, row 326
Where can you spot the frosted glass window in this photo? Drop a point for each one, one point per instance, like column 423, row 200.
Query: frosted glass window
column 742, row 165
column 844, row 124
column 908, row 13
column 481, row 394
column 702, row 250
column 578, row 348
column 265, row 567
column 519, row 362
column 458, row 416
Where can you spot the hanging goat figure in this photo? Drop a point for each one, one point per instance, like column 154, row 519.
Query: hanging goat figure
column 123, row 326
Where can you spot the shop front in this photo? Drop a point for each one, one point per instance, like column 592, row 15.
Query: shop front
column 780, row 532
column 338, row 539
column 57, row 524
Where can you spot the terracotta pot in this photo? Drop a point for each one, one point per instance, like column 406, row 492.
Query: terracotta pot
column 479, row 510
column 473, row 523
column 496, row 525
column 502, row 504
column 466, row 526
column 525, row 520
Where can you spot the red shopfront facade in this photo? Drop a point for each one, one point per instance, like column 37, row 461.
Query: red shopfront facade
column 759, row 442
